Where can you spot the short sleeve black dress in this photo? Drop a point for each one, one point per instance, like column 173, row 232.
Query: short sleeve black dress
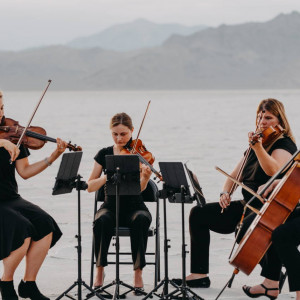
column 20, row 219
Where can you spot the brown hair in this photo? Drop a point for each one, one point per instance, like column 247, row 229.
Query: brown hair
column 276, row 108
column 1, row 94
column 121, row 118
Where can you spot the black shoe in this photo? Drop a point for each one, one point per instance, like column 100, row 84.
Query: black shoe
column 194, row 283
column 29, row 289
column 139, row 291
column 8, row 291
column 246, row 290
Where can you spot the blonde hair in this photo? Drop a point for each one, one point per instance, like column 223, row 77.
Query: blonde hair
column 276, row 108
column 121, row 118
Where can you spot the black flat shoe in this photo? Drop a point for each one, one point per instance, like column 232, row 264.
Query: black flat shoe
column 194, row 283
column 7, row 290
column 29, row 289
column 139, row 291
column 246, row 290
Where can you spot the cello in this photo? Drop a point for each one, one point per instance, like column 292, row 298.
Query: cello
column 273, row 213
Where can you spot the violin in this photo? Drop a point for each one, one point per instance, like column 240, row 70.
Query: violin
column 269, row 135
column 35, row 137
column 138, row 148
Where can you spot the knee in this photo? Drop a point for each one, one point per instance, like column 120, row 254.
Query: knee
column 102, row 221
column 141, row 220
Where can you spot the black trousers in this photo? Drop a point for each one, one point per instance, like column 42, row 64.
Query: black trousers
column 206, row 218
column 137, row 220
column 286, row 239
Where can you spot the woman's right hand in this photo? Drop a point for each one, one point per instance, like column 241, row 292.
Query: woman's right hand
column 12, row 149
column 225, row 200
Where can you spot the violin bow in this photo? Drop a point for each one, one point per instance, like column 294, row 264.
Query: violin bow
column 33, row 114
column 239, row 175
column 133, row 148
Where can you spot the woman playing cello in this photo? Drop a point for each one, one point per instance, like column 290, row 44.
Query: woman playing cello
column 260, row 165
column 133, row 211
column 25, row 229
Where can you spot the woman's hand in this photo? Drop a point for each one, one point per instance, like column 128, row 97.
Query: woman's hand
column 12, row 149
column 269, row 189
column 145, row 172
column 224, row 200
column 145, row 176
column 254, row 140
column 61, row 145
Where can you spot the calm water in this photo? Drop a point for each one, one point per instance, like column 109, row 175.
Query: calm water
column 206, row 128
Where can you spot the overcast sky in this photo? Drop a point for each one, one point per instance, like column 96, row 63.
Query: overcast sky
column 29, row 23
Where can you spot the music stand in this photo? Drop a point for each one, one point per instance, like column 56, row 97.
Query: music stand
column 198, row 195
column 176, row 189
column 123, row 178
column 67, row 179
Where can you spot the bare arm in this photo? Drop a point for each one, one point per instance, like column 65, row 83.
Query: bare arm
column 271, row 163
column 145, row 176
column 26, row 170
column 96, row 181
column 226, row 198
column 12, row 149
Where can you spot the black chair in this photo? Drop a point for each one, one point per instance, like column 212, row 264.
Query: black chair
column 150, row 194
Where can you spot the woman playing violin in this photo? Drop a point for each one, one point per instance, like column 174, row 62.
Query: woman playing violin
column 224, row 216
column 133, row 211
column 25, row 229
column 284, row 250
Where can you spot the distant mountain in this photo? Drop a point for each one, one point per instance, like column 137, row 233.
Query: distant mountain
column 245, row 56
column 132, row 36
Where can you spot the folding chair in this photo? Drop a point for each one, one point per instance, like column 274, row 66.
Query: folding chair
column 150, row 194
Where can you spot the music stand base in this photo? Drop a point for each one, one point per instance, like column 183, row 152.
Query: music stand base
column 179, row 292
column 116, row 294
column 79, row 284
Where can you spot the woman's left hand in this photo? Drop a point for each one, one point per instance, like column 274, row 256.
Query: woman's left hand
column 61, row 145
column 255, row 141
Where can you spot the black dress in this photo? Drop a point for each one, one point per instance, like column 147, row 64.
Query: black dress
column 133, row 214
column 20, row 219
column 209, row 217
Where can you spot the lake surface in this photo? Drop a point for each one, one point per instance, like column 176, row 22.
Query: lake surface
column 206, row 128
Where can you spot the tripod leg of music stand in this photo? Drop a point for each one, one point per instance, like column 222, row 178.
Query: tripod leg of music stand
column 91, row 290
column 66, row 291
column 153, row 291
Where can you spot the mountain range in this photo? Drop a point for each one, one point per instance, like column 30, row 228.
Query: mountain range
column 245, row 56
column 132, row 36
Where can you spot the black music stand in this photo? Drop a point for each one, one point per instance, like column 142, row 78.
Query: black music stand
column 67, row 179
column 123, row 178
column 176, row 189
column 198, row 195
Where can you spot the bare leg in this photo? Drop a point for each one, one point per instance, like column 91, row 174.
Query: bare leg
column 99, row 278
column 138, row 278
column 35, row 257
column 193, row 276
column 298, row 295
column 11, row 262
column 257, row 289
